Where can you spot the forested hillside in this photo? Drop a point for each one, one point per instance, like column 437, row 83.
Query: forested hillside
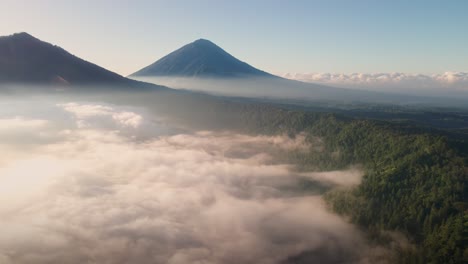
column 415, row 177
column 414, row 183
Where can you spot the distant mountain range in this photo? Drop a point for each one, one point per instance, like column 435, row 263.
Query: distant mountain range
column 201, row 58
column 26, row 59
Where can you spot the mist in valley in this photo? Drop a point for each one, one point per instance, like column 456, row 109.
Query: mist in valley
column 87, row 178
column 315, row 93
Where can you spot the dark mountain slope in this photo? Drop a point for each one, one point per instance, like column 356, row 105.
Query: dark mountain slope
column 26, row 59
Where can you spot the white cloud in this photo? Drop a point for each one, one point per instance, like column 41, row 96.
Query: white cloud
column 444, row 81
column 350, row 177
column 24, row 131
column 83, row 111
column 86, row 113
column 95, row 195
column 128, row 119
column 19, row 122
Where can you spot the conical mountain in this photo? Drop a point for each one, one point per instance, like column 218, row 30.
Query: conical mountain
column 26, row 59
column 201, row 58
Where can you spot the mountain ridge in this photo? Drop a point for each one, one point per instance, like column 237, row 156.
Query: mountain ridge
column 27, row 59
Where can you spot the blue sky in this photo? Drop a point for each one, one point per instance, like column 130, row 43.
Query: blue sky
column 278, row 36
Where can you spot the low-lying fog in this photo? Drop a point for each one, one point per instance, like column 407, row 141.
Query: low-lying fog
column 283, row 89
column 92, row 182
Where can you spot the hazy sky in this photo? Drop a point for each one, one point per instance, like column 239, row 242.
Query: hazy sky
column 418, row 36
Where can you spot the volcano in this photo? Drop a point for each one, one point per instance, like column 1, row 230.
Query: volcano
column 201, row 58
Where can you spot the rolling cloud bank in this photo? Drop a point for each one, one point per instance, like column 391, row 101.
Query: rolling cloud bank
column 99, row 183
column 436, row 84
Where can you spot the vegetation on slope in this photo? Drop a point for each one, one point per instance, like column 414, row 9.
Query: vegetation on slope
column 414, row 183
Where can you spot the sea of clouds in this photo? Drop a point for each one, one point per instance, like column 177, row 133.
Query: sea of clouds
column 397, row 82
column 87, row 182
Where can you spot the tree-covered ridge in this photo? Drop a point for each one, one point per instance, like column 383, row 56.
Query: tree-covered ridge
column 414, row 183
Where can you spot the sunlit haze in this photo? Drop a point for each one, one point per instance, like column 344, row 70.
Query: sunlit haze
column 365, row 36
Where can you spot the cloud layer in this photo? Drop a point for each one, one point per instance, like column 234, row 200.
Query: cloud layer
column 388, row 81
column 96, row 194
